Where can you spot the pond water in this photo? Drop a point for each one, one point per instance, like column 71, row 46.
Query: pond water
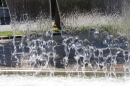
column 27, row 80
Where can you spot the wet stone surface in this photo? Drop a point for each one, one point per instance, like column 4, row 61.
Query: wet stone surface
column 100, row 51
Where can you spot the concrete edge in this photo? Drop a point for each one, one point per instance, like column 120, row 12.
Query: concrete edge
column 2, row 8
column 20, row 36
column 62, row 73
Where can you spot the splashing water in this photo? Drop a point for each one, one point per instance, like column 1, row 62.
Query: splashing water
column 89, row 45
column 26, row 80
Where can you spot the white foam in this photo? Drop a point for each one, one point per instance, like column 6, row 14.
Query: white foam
column 26, row 80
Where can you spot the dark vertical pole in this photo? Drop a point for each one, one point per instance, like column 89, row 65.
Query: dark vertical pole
column 57, row 17
column 55, row 13
column 53, row 5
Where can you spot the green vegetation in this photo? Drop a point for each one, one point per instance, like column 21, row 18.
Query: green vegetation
column 111, row 28
column 20, row 33
column 10, row 33
column 54, row 28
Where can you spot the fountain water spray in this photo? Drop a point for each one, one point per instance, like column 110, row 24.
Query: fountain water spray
column 90, row 41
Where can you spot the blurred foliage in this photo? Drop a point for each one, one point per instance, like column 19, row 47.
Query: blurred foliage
column 104, row 6
column 4, row 3
column 110, row 28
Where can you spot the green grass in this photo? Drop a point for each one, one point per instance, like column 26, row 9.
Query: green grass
column 54, row 29
column 111, row 28
column 10, row 33
column 81, row 29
